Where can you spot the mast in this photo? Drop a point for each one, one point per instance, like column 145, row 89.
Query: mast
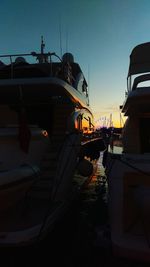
column 42, row 57
column 42, row 46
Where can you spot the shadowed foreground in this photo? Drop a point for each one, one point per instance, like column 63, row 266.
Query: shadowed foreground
column 81, row 239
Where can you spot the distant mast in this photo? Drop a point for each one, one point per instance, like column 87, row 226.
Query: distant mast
column 111, row 122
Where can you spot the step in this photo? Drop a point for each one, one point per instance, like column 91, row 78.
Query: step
column 59, row 131
column 58, row 138
column 43, row 185
column 50, row 155
column 48, row 175
column 48, row 165
column 40, row 195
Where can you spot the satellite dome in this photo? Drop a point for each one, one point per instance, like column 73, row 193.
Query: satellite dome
column 20, row 60
column 68, row 57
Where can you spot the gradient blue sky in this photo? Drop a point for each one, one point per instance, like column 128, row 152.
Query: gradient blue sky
column 100, row 33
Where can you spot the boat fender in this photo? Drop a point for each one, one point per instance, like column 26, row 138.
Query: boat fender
column 85, row 168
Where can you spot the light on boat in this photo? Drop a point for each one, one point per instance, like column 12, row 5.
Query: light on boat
column 45, row 133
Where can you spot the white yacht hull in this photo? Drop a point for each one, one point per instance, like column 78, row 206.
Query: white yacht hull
column 129, row 205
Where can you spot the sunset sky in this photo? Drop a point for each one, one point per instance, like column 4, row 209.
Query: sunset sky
column 99, row 33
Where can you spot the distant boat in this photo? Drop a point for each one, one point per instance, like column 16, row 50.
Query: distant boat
column 44, row 122
column 129, row 172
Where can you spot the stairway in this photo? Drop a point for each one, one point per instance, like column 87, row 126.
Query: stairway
column 43, row 187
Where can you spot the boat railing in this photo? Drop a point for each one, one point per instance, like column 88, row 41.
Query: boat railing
column 19, row 65
column 13, row 59
column 41, row 57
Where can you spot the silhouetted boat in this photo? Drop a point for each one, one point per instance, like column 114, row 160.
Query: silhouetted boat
column 44, row 116
column 129, row 172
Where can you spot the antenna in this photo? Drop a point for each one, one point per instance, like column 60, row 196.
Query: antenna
column 67, row 40
column 60, row 37
column 88, row 82
column 42, row 45
column 42, row 58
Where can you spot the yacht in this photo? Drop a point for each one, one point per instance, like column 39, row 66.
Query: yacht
column 128, row 170
column 47, row 142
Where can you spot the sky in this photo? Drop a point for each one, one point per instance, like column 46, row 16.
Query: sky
column 99, row 33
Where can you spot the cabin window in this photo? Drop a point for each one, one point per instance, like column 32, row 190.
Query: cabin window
column 79, row 122
column 84, row 123
column 145, row 135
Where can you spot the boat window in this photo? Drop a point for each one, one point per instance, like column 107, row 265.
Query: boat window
column 84, row 87
column 138, row 81
column 79, row 122
column 145, row 135
column 144, row 84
